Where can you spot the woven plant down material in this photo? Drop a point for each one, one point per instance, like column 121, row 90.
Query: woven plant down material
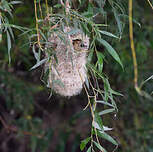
column 68, row 73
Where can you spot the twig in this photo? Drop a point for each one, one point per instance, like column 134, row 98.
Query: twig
column 91, row 108
column 37, row 27
column 138, row 89
column 40, row 10
column 47, row 7
column 132, row 46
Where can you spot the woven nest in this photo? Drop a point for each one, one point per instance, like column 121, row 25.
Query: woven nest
column 67, row 73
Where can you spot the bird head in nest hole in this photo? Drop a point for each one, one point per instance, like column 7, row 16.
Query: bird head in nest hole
column 79, row 45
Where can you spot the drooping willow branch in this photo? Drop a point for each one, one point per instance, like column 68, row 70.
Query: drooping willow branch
column 132, row 46
column 138, row 88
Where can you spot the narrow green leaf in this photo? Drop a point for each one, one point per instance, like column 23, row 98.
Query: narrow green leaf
column 106, row 88
column 107, row 128
column 111, row 51
column 95, row 70
column 9, row 45
column 100, row 25
column 36, row 55
column 100, row 61
column 151, row 77
column 11, row 32
column 84, row 143
column 89, row 149
column 85, row 28
column 96, row 125
column 15, row 2
column 108, row 34
column 105, row 103
column 42, row 34
column 88, row 14
column 107, row 137
column 90, row 56
column 113, row 102
column 57, row 6
column 99, row 147
column 98, row 120
column 119, row 24
column 87, row 83
column 115, row 93
column 106, row 111
column 6, row 6
column 127, row 17
column 15, row 26
column 39, row 63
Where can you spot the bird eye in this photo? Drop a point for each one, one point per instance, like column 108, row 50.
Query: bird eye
column 82, row 45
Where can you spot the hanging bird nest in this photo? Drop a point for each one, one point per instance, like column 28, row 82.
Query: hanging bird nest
column 67, row 66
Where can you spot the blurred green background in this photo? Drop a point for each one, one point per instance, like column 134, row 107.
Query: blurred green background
column 30, row 121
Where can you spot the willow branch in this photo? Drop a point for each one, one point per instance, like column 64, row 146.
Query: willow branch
column 132, row 46
column 37, row 27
